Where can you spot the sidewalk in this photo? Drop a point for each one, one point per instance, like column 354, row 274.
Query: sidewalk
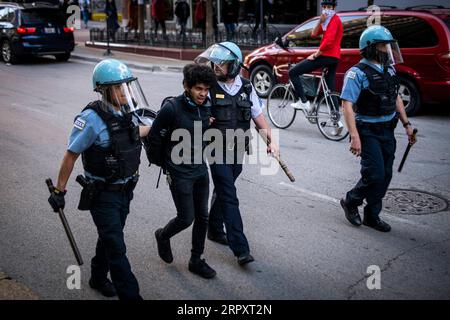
column 12, row 290
column 141, row 62
column 137, row 61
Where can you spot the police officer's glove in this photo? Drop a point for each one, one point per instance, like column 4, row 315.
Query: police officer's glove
column 56, row 199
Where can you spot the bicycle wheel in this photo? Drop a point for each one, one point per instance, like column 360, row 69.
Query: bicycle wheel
column 279, row 106
column 330, row 119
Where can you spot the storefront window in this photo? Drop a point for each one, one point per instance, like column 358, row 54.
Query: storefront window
column 275, row 11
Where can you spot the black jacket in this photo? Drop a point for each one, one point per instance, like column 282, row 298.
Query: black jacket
column 177, row 113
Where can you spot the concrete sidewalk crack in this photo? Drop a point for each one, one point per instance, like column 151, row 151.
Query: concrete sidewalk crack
column 389, row 263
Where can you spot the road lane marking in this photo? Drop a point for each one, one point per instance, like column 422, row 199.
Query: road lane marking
column 311, row 193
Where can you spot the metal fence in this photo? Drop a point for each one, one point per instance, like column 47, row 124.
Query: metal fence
column 245, row 36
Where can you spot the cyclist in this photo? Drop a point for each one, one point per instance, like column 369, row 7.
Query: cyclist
column 328, row 54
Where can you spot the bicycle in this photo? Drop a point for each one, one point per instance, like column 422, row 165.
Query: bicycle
column 325, row 108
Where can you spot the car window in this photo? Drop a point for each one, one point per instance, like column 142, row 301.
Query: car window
column 353, row 27
column 39, row 16
column 301, row 37
column 411, row 32
column 5, row 13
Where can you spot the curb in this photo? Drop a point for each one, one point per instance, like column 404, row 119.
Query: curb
column 145, row 67
column 131, row 64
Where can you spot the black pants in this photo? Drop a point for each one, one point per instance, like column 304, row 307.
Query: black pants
column 163, row 26
column 307, row 66
column 109, row 212
column 378, row 146
column 191, row 200
column 225, row 207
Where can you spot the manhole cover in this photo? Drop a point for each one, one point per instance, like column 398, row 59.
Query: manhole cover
column 405, row 201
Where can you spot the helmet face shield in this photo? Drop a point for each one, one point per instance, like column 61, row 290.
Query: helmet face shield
column 389, row 53
column 216, row 54
column 395, row 53
column 222, row 60
column 126, row 96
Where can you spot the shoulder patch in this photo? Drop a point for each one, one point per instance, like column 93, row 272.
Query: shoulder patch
column 79, row 123
column 351, row 74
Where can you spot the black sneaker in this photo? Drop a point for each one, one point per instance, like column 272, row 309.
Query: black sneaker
column 351, row 213
column 106, row 288
column 219, row 238
column 245, row 258
column 377, row 224
column 201, row 268
column 164, row 249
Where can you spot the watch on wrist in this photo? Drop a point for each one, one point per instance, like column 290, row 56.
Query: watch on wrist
column 58, row 192
column 406, row 124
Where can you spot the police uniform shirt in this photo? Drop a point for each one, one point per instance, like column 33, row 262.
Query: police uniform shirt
column 356, row 80
column 89, row 129
column 233, row 88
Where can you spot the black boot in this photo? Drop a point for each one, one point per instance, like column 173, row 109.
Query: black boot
column 201, row 268
column 217, row 237
column 351, row 213
column 377, row 224
column 164, row 249
column 106, row 288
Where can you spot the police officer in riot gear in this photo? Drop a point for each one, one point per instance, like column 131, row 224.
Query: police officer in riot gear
column 107, row 135
column 371, row 88
column 234, row 105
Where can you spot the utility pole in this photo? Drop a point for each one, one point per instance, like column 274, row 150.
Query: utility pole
column 141, row 21
column 209, row 24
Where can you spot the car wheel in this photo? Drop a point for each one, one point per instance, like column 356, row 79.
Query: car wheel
column 263, row 80
column 410, row 96
column 8, row 54
column 62, row 57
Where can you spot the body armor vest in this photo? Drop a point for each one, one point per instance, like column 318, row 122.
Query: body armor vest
column 122, row 158
column 231, row 112
column 380, row 97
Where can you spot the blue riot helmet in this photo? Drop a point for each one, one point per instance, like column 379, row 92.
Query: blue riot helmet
column 118, row 87
column 221, row 54
column 376, row 43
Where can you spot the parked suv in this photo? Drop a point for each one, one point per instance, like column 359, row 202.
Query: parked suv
column 34, row 29
column 423, row 36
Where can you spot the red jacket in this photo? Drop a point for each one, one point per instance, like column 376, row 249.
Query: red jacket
column 159, row 10
column 330, row 46
column 200, row 11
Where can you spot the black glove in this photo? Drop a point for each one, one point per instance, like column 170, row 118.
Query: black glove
column 56, row 199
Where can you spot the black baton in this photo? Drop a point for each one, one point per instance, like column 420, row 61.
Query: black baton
column 73, row 244
column 405, row 155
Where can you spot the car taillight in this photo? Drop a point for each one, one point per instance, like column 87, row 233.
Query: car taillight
column 23, row 30
column 444, row 60
column 67, row 29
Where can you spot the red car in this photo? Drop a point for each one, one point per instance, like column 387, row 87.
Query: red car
column 423, row 37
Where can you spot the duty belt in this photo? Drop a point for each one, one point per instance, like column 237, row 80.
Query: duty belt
column 377, row 125
column 128, row 186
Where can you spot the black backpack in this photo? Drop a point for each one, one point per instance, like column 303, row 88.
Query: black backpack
column 156, row 155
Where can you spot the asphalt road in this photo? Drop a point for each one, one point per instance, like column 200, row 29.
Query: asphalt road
column 303, row 246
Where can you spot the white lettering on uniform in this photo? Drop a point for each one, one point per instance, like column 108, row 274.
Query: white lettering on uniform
column 351, row 74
